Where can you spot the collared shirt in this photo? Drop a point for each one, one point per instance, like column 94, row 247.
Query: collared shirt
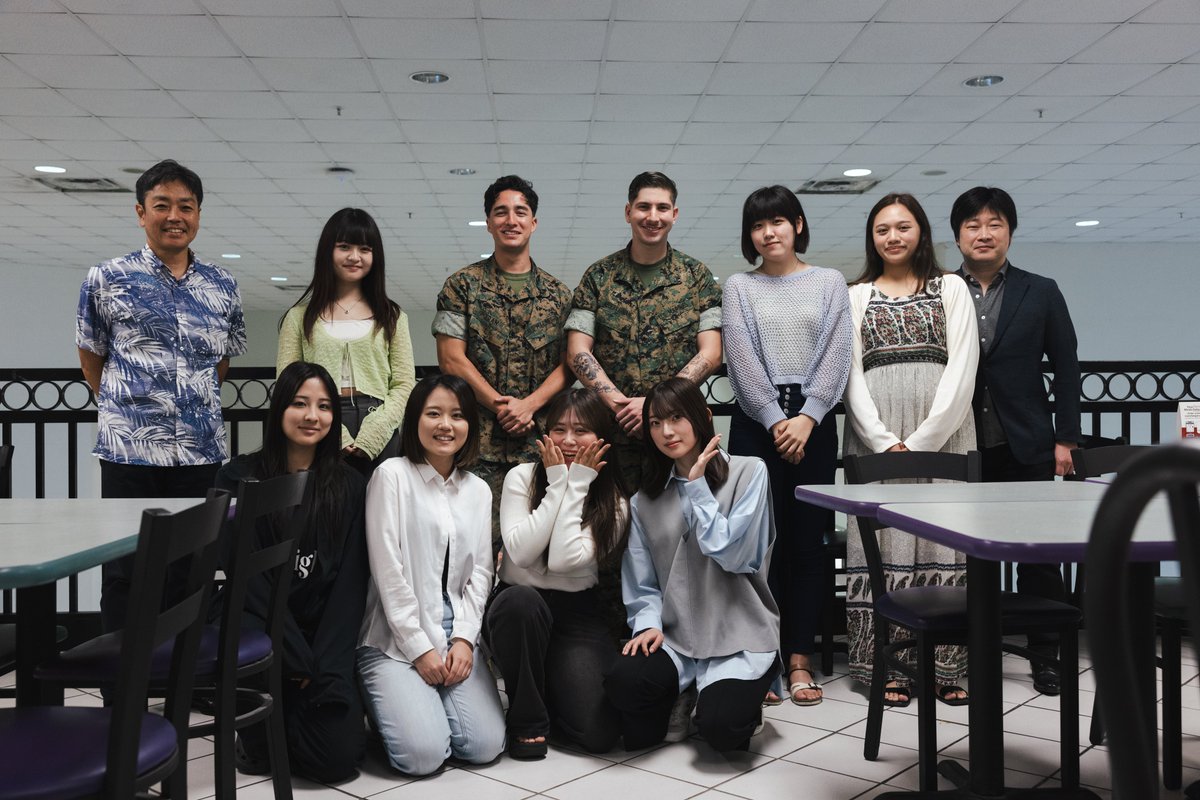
column 161, row 338
column 419, row 524
column 645, row 332
column 514, row 338
column 987, row 312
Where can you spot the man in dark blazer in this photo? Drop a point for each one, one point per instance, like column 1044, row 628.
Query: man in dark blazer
column 1023, row 318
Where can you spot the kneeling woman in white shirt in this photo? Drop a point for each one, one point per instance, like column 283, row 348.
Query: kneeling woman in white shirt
column 694, row 580
column 546, row 627
column 428, row 688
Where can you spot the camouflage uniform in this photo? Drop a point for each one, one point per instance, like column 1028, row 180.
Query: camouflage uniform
column 643, row 333
column 515, row 339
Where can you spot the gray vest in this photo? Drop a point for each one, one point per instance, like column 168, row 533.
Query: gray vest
column 708, row 612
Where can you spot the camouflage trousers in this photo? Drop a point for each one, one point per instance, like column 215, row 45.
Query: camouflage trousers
column 493, row 473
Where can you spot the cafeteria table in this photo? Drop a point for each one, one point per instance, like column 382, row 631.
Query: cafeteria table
column 44, row 540
column 1036, row 522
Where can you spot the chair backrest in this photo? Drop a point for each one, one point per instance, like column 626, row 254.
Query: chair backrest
column 1094, row 461
column 6, row 455
column 261, row 558
column 1175, row 470
column 163, row 540
column 910, row 465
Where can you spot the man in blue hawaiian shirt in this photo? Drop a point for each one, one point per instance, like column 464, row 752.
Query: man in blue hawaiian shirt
column 156, row 329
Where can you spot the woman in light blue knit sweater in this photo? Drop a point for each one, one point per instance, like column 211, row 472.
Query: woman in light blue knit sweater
column 788, row 343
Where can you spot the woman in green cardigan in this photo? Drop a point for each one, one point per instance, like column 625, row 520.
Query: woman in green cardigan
column 345, row 322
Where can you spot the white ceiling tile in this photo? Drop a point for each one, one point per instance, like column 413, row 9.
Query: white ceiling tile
column 29, row 152
column 316, row 75
column 544, row 9
column 51, row 128
column 432, row 106
column 728, row 132
column 909, row 43
column 1090, row 79
column 945, row 11
column 459, row 132
column 946, row 109
column 740, row 78
column 543, row 153
column 1130, row 153
column 867, row 155
column 669, row 10
column 844, row 109
column 640, row 153
column 418, row 38
column 715, row 154
column 233, row 105
column 1163, row 133
column 650, row 77
column 417, row 9
column 1091, row 132
column 198, row 73
column 272, row 8
column 964, row 154
column 271, row 37
column 1047, row 154
column 1014, row 42
column 395, row 75
column 622, row 132
column 1177, row 79
column 1017, row 78
column 163, row 129
column 48, row 33
column 543, row 77
column 1074, row 10
column 120, row 103
column 982, row 133
column 279, row 151
column 844, row 133
column 1038, row 109
column 336, row 105
column 815, row 10
column 464, row 154
column 552, row 40
column 653, row 108
column 747, row 108
column 89, row 149
column 873, row 79
column 82, row 72
column 521, row 132
column 783, row 42
column 352, row 154
column 1144, row 43
column 1138, row 109
column 668, row 41
column 161, row 34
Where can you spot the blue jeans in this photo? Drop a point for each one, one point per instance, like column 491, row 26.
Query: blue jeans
column 422, row 725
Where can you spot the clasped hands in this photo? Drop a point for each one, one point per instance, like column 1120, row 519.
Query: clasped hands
column 454, row 668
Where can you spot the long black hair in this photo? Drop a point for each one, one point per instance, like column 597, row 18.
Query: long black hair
column 924, row 260
column 324, row 529
column 678, row 396
column 605, row 498
column 352, row 226
column 410, row 438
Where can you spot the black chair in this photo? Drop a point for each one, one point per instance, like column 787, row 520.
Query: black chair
column 115, row 752
column 258, row 560
column 833, row 608
column 1175, row 470
column 937, row 615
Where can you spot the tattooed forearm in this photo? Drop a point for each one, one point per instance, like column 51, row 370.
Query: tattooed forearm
column 588, row 369
column 697, row 369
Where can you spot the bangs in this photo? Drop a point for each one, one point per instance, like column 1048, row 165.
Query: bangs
column 356, row 231
column 769, row 204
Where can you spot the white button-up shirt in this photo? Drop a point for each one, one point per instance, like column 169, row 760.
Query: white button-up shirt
column 413, row 515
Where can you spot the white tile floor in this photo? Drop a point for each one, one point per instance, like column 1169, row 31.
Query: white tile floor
column 816, row 751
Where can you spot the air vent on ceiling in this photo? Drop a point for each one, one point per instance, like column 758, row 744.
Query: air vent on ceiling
column 837, row 186
column 73, row 185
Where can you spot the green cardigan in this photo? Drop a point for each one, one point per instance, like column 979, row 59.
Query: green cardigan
column 381, row 371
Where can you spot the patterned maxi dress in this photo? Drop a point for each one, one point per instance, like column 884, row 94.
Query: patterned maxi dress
column 904, row 345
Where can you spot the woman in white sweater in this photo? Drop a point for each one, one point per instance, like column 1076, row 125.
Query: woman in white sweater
column 559, row 519
column 916, row 349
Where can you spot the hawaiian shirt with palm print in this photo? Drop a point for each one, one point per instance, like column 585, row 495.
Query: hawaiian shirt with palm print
column 160, row 398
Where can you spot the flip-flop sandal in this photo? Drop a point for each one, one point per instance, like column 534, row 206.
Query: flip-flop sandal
column 527, row 751
column 905, row 696
column 772, row 699
column 943, row 691
column 801, row 685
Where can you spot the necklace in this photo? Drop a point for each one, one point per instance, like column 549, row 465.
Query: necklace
column 347, row 310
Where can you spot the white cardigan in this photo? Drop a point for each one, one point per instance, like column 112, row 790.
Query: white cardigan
column 549, row 547
column 952, row 400
column 413, row 516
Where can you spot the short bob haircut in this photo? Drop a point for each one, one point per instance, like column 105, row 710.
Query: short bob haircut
column 678, row 396
column 924, row 260
column 510, row 183
column 410, row 440
column 974, row 202
column 770, row 202
column 169, row 171
column 652, row 180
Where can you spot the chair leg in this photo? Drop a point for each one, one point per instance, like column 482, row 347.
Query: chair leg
column 224, row 736
column 926, row 715
column 1096, row 734
column 827, row 614
column 878, row 682
column 281, row 773
column 1172, row 713
column 1068, row 720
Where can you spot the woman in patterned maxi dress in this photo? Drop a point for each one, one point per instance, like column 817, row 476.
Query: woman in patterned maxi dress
column 916, row 350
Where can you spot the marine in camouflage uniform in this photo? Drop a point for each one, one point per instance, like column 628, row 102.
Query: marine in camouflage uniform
column 515, row 339
column 644, row 332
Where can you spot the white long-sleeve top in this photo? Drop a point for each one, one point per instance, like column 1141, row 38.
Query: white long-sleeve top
column 952, row 399
column 548, row 547
column 413, row 516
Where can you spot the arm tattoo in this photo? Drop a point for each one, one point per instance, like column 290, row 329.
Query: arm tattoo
column 589, row 371
column 696, row 370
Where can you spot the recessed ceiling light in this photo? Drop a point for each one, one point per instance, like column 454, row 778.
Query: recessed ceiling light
column 230, row 255
column 857, row 173
column 429, row 77
column 53, row 170
column 983, row 81
column 485, row 255
column 1087, row 223
column 462, row 171
column 934, row 172
column 477, row 223
column 279, row 278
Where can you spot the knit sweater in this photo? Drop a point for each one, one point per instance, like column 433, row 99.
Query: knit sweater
column 383, row 371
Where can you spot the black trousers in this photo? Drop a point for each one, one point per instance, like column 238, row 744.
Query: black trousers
column 354, row 411
column 1037, row 580
column 797, row 558
column 135, row 480
column 643, row 689
column 553, row 649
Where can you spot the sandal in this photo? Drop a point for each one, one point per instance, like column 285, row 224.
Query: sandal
column 526, row 750
column 943, row 693
column 904, row 696
column 772, row 699
column 800, row 686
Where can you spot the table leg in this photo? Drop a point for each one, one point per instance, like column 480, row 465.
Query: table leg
column 1143, row 641
column 985, row 672
column 36, row 607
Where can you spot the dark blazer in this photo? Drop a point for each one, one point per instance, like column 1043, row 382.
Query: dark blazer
column 1034, row 322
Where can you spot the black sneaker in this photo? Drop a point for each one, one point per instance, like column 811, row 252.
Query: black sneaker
column 1045, row 680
